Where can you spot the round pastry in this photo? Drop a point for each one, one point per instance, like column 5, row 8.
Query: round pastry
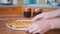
column 19, row 23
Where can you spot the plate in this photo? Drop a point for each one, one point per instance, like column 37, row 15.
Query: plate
column 18, row 24
column 8, row 26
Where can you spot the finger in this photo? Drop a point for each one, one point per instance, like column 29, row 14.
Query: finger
column 38, row 31
column 32, row 30
column 30, row 27
column 45, row 30
column 41, row 30
column 38, row 17
column 34, row 25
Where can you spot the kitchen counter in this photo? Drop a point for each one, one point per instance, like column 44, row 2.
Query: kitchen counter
column 5, row 30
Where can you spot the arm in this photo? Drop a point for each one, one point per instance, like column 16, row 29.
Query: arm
column 47, row 15
column 44, row 25
column 52, row 14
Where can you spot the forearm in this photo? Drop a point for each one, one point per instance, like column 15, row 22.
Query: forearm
column 57, row 11
column 52, row 14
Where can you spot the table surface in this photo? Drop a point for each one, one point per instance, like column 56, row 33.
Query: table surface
column 5, row 30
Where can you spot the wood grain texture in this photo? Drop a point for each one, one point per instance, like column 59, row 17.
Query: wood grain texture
column 19, row 10
column 5, row 30
column 15, row 10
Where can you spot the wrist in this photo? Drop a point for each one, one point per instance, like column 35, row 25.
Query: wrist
column 55, row 23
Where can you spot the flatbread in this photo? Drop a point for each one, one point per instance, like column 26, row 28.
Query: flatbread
column 19, row 23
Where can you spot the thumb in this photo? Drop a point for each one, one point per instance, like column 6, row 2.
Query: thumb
column 37, row 17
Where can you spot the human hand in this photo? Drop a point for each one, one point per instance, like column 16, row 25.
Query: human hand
column 46, row 15
column 40, row 27
column 44, row 24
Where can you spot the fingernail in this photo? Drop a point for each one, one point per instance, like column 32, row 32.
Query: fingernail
column 28, row 32
column 37, row 33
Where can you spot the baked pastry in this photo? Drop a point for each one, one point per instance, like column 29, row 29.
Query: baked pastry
column 19, row 23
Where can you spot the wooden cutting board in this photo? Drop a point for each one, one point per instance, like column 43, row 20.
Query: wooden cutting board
column 5, row 30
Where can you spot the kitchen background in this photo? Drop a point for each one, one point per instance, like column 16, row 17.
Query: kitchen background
column 17, row 11
column 29, row 1
column 8, row 13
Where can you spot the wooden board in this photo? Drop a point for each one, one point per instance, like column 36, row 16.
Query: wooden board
column 5, row 30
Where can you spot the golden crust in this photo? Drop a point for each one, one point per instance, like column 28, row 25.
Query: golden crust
column 19, row 24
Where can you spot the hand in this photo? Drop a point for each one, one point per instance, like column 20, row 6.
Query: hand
column 40, row 26
column 44, row 25
column 50, row 14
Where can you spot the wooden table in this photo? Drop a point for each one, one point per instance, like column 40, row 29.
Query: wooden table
column 5, row 30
